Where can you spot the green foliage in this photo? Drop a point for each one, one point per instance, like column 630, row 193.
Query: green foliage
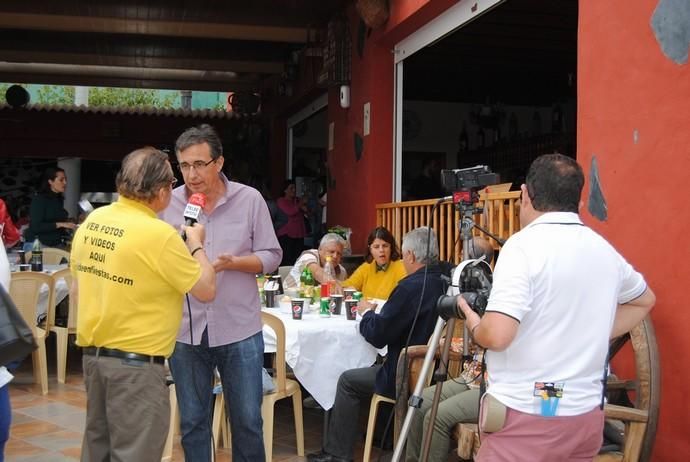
column 3, row 89
column 100, row 96
column 110, row 97
column 130, row 97
column 219, row 106
column 54, row 94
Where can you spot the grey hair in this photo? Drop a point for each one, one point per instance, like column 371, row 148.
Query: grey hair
column 479, row 247
column 416, row 242
column 143, row 173
column 197, row 135
column 331, row 238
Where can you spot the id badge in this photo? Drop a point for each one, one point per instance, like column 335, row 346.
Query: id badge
column 547, row 395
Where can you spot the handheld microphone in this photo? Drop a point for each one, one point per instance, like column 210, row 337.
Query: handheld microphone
column 197, row 202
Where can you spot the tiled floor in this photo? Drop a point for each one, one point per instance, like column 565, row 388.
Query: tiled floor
column 49, row 428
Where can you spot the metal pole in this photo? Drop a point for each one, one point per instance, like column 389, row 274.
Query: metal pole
column 416, row 398
column 441, row 375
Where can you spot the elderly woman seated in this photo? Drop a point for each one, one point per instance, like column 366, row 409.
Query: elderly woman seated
column 331, row 245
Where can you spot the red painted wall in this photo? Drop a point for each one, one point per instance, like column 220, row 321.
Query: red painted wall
column 626, row 84
column 360, row 185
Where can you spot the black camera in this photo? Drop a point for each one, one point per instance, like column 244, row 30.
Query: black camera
column 472, row 178
column 447, row 305
column 472, row 279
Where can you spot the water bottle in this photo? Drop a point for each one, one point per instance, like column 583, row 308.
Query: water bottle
column 328, row 286
column 36, row 256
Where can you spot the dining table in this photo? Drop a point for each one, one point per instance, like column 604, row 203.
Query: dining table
column 319, row 349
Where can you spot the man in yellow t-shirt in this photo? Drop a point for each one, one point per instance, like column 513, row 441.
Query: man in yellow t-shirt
column 131, row 271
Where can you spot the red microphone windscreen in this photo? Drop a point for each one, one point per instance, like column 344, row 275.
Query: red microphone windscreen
column 198, row 199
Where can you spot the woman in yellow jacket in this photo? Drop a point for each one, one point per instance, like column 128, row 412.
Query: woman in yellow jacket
column 383, row 268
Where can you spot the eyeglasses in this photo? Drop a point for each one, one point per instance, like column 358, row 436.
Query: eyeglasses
column 198, row 165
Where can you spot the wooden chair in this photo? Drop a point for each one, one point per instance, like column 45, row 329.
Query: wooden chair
column 639, row 420
column 376, row 400
column 406, row 376
column 284, row 388
column 174, row 425
column 408, row 368
column 62, row 333
column 25, row 288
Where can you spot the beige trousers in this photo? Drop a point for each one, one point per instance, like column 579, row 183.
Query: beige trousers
column 128, row 410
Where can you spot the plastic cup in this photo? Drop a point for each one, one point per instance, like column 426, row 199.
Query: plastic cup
column 351, row 309
column 297, row 308
column 270, row 295
column 348, row 293
column 336, row 303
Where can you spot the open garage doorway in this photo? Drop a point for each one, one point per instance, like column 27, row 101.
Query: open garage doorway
column 492, row 85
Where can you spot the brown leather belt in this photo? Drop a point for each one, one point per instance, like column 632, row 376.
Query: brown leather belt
column 113, row 353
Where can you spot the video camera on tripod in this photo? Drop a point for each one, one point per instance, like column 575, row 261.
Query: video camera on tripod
column 472, row 279
column 465, row 183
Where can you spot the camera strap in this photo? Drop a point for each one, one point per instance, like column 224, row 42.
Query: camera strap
column 482, row 380
column 482, row 388
column 604, row 382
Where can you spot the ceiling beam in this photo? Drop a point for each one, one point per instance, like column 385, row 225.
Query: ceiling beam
column 132, row 77
column 162, row 62
column 65, row 23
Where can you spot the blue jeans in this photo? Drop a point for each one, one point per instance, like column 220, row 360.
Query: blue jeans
column 5, row 419
column 239, row 365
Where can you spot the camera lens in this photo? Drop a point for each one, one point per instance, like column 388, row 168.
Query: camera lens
column 447, row 307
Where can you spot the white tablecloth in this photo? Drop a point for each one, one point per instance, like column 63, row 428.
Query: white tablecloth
column 61, row 291
column 319, row 350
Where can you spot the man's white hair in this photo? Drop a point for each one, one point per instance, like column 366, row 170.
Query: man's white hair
column 331, row 238
column 416, row 242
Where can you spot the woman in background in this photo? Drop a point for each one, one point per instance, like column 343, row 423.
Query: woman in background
column 8, row 230
column 48, row 219
column 383, row 268
column 291, row 235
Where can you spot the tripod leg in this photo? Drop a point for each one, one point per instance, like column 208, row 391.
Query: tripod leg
column 440, row 376
column 416, row 398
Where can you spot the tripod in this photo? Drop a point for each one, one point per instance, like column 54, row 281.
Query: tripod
column 467, row 210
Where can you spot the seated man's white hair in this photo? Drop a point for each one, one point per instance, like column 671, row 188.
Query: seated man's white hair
column 331, row 238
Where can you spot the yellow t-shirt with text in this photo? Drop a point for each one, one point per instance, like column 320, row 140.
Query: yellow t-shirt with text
column 132, row 270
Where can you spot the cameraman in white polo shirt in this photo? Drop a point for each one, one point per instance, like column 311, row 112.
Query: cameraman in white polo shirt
column 560, row 293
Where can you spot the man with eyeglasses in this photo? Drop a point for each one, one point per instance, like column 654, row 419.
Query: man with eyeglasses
column 130, row 272
column 227, row 332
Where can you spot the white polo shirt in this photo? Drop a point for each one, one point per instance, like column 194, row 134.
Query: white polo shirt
column 562, row 282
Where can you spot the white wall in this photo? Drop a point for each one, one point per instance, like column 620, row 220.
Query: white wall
column 441, row 125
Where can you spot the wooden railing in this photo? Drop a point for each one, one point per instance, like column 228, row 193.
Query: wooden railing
column 500, row 216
